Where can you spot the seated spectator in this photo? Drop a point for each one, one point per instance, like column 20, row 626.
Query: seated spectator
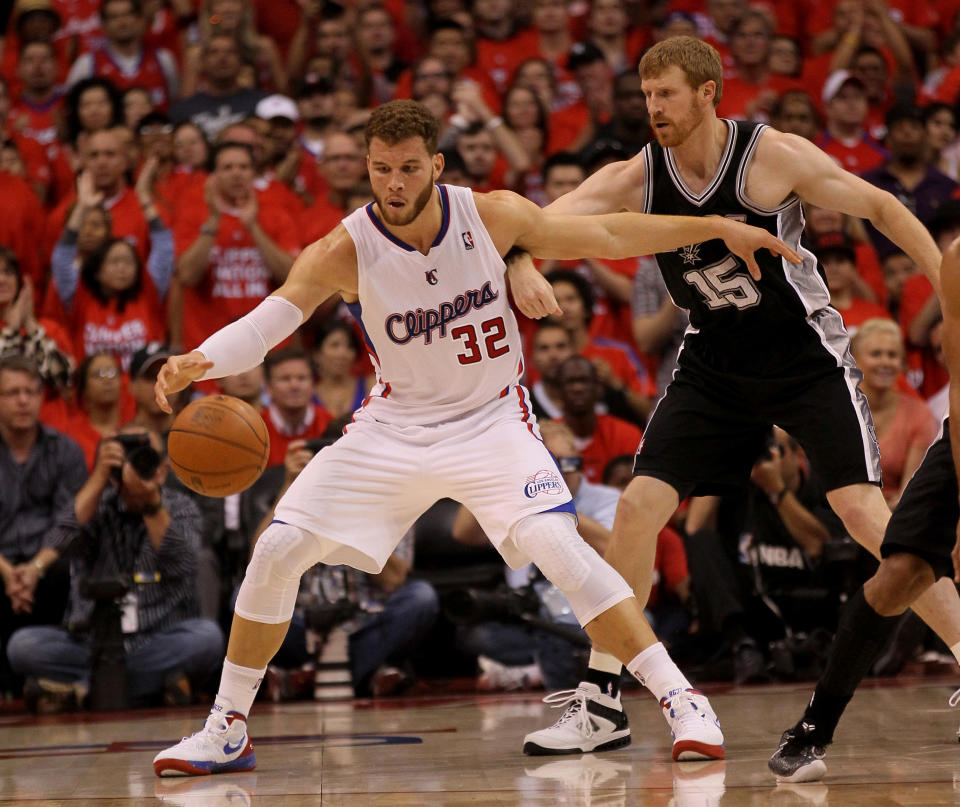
column 259, row 53
column 134, row 527
column 338, row 391
column 42, row 341
column 36, row 109
column 940, row 128
column 786, row 56
column 908, row 174
column 115, row 306
column 387, row 617
column 100, row 405
column 629, row 124
column 904, row 426
column 599, row 438
column 844, row 137
column 609, row 28
column 224, row 100
column 626, row 386
column 897, row 268
column 836, row 255
column 594, row 80
column 549, row 348
column 569, row 121
column 795, row 113
column 292, row 414
column 41, row 471
column 136, row 105
column 869, row 281
column 231, row 251
column 379, row 66
column 762, row 577
column 525, row 116
column 525, row 653
column 191, row 157
column 92, row 105
column 342, row 167
column 145, row 364
column 125, row 60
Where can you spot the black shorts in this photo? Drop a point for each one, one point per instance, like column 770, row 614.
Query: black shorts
column 710, row 427
column 924, row 523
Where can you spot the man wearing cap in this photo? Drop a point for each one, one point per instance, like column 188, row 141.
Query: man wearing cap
column 908, row 174
column 125, row 60
column 837, row 255
column 144, row 366
column 290, row 164
column 593, row 75
column 844, row 138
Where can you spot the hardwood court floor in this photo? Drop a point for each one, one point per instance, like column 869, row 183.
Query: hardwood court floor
column 896, row 746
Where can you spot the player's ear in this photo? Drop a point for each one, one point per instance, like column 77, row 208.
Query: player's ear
column 437, row 165
column 708, row 90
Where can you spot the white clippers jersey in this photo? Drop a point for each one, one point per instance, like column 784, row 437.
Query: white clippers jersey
column 439, row 329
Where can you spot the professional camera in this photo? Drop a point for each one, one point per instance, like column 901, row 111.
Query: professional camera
column 467, row 606
column 142, row 456
column 322, row 617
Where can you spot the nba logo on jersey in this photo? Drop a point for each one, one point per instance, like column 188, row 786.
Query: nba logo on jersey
column 467, row 239
column 543, row 482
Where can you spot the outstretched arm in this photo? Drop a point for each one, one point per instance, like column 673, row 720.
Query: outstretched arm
column 511, row 219
column 818, row 179
column 615, row 187
column 322, row 269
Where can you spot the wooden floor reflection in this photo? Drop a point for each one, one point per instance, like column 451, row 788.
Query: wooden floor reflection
column 896, row 746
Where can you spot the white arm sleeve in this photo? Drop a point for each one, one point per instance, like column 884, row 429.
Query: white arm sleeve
column 241, row 345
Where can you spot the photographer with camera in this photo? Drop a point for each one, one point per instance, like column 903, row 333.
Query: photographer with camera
column 757, row 562
column 133, row 549
column 386, row 615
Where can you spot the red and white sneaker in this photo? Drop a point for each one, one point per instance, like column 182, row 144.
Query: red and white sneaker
column 693, row 724
column 222, row 746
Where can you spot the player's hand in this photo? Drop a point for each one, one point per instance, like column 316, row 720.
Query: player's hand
column 532, row 292
column 177, row 373
column 956, row 557
column 744, row 240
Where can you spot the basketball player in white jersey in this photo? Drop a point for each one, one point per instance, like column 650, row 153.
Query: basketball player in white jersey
column 447, row 418
column 759, row 350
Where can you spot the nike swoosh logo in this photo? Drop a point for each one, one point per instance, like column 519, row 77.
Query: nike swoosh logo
column 228, row 749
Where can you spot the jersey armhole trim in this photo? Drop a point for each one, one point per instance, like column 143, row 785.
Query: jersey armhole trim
column 741, row 183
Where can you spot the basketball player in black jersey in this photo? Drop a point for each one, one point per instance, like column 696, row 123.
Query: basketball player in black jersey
column 764, row 346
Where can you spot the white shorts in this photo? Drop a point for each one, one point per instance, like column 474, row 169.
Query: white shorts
column 365, row 491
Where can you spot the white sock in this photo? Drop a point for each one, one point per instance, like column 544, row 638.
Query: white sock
column 238, row 688
column 604, row 662
column 656, row 671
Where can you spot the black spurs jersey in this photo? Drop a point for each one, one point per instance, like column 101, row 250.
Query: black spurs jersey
column 736, row 323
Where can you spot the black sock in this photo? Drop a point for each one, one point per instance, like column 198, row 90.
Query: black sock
column 861, row 636
column 608, row 682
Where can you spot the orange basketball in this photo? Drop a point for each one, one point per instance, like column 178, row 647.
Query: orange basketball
column 218, row 445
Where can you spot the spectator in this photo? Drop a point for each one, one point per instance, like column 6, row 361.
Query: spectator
column 292, row 414
column 526, row 116
column 342, row 168
column 822, row 220
column 36, row 110
column 608, row 28
column 625, row 385
column 432, row 84
column 897, row 267
column 844, row 138
column 224, row 100
column 136, row 104
column 763, row 577
column 41, row 471
column 338, row 391
column 629, row 124
column 114, row 306
column 21, row 224
column 658, row 324
column 567, row 117
column 786, row 57
column 231, row 251
column 191, row 151
column 940, row 128
column 836, row 255
column 904, row 426
column 375, row 35
column 795, row 113
column 500, row 45
column 599, row 438
column 908, row 174
column 478, row 149
column 133, row 527
column 562, row 173
column 322, row 38
column 100, row 409
column 550, row 347
column 392, row 617
column 594, row 80
column 123, row 58
column 144, row 366
column 315, row 105
column 155, row 143
column 106, row 160
column 41, row 341
column 233, row 18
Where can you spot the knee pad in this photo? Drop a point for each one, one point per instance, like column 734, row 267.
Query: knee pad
column 590, row 584
column 269, row 589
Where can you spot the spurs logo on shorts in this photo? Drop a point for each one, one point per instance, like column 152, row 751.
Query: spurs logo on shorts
column 543, row 482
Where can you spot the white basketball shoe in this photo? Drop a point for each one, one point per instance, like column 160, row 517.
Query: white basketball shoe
column 221, row 746
column 693, row 724
column 591, row 721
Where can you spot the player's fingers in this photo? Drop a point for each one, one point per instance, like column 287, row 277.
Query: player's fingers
column 753, row 268
column 780, row 248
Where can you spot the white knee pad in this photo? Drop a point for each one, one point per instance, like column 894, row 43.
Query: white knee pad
column 590, row 584
column 269, row 589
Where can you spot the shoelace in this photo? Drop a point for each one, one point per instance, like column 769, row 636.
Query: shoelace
column 954, row 699
column 576, row 702
column 217, row 729
column 683, row 706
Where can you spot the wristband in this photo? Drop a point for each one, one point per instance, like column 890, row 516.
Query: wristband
column 206, row 229
column 457, row 121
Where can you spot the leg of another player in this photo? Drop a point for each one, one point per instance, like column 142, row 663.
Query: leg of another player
column 868, row 621
column 865, row 514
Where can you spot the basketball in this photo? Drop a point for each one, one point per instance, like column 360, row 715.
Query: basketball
column 218, row 445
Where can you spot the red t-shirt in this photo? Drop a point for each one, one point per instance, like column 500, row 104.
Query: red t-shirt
column 611, row 438
column 279, row 441
column 669, row 565
column 237, row 278
column 318, row 220
column 925, row 373
column 21, row 225
column 739, row 94
column 126, row 219
column 859, row 312
column 858, row 158
column 625, row 366
column 39, row 122
column 499, row 60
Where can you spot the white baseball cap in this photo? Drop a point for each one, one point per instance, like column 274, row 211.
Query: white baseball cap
column 277, row 106
column 835, row 81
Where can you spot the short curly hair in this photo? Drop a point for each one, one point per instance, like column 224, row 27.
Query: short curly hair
column 401, row 120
